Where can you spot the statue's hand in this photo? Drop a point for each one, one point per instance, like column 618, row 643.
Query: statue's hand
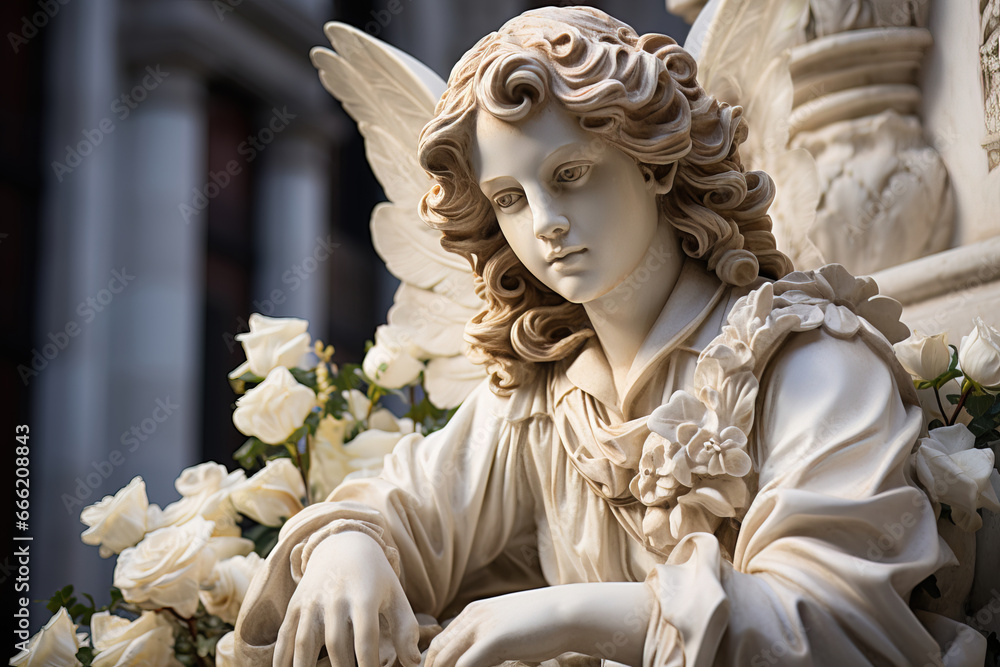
column 606, row 620
column 347, row 587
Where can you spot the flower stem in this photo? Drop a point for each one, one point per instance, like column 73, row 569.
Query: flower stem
column 302, row 468
column 960, row 405
column 937, row 397
column 192, row 628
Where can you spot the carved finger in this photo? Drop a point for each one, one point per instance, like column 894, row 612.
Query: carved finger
column 405, row 633
column 366, row 639
column 339, row 641
column 482, row 653
column 285, row 645
column 308, row 640
column 449, row 646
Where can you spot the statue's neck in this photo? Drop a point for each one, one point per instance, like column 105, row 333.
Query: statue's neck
column 624, row 316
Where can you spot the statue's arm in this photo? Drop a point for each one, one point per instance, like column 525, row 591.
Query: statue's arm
column 834, row 541
column 443, row 507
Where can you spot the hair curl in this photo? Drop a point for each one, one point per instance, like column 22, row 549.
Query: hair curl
column 637, row 93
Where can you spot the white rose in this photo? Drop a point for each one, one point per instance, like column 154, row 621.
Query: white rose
column 369, row 449
column 332, row 461
column 225, row 590
column 924, row 357
column 272, row 342
column 273, row 494
column 358, row 406
column 117, row 522
column 390, row 361
column 329, row 463
column 55, row 644
column 205, row 490
column 225, row 651
column 954, row 472
column 118, row 642
column 168, row 566
column 979, row 355
column 273, row 409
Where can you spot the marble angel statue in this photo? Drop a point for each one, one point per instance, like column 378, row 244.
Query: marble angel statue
column 677, row 450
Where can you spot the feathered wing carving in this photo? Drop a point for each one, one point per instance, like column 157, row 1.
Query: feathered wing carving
column 742, row 49
column 391, row 96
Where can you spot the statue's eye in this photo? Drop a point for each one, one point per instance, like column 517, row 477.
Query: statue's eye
column 572, row 173
column 507, row 199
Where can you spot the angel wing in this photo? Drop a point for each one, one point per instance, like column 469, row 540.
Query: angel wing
column 391, row 96
column 742, row 49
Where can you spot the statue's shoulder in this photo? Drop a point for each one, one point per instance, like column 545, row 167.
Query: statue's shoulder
column 696, row 466
column 828, row 298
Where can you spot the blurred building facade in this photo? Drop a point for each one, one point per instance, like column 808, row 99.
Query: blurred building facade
column 171, row 166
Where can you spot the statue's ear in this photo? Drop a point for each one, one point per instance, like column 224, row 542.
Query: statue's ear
column 660, row 183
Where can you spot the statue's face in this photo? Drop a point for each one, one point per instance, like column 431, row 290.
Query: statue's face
column 575, row 210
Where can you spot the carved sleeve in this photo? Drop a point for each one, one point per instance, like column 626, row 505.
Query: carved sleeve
column 834, row 540
column 445, row 510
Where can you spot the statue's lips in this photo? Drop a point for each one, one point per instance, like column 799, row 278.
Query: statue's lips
column 562, row 254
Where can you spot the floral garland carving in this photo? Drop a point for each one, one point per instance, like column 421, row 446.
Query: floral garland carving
column 695, row 465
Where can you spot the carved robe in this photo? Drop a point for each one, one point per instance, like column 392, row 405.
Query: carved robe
column 534, row 489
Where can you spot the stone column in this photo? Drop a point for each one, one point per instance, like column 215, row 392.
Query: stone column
column 69, row 430
column 294, row 242
column 155, row 364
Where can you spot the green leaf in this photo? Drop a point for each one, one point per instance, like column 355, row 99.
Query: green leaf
column 61, row 598
column 264, row 538
column 306, row 377
column 297, row 434
column 312, row 422
column 240, row 385
column 995, row 410
column 980, row 425
column 206, row 645
column 116, row 599
column 979, row 405
column 86, row 656
column 430, row 417
column 935, row 423
column 986, row 440
column 250, row 451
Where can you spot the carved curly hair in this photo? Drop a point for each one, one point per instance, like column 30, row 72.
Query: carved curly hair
column 637, row 93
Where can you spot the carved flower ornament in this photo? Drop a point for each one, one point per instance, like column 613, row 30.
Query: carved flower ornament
column 695, row 465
